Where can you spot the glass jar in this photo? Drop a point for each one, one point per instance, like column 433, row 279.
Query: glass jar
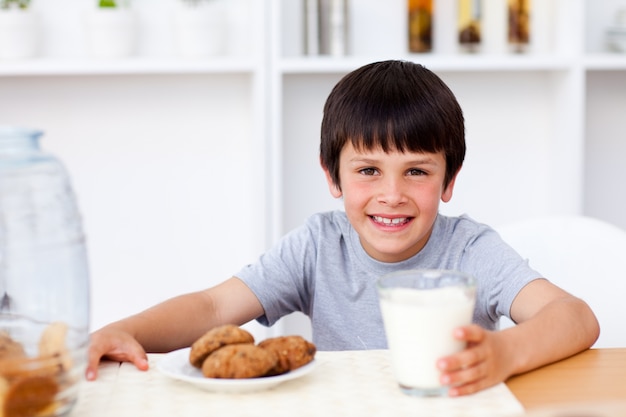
column 470, row 25
column 420, row 25
column 44, row 283
column 519, row 25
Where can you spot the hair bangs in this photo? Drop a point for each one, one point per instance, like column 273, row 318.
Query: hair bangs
column 395, row 130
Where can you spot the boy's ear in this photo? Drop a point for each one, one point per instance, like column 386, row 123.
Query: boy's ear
column 335, row 191
column 447, row 193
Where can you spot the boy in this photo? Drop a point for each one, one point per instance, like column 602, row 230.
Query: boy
column 392, row 144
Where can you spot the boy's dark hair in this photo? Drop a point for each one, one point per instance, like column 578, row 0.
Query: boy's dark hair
column 392, row 105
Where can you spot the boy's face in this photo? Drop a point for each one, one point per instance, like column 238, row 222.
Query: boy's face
column 391, row 199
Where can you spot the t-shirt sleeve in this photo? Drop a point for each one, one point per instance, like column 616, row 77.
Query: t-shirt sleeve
column 501, row 274
column 281, row 277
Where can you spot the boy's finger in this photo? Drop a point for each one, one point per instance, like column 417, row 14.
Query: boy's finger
column 471, row 333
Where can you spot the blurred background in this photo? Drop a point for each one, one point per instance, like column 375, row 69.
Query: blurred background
column 192, row 152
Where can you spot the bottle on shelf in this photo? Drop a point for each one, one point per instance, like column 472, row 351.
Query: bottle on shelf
column 420, row 14
column 326, row 27
column 519, row 25
column 333, row 18
column 470, row 15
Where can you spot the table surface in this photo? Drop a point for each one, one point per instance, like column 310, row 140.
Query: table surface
column 593, row 376
column 353, row 383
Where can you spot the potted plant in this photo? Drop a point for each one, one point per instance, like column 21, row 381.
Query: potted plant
column 18, row 30
column 111, row 29
column 200, row 28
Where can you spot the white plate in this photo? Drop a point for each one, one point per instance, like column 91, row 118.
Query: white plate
column 176, row 365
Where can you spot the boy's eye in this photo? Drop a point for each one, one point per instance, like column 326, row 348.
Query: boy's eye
column 415, row 171
column 368, row 171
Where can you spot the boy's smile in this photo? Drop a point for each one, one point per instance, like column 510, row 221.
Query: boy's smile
column 391, row 199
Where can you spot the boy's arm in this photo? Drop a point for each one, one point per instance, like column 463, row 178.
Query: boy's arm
column 552, row 325
column 179, row 321
column 173, row 324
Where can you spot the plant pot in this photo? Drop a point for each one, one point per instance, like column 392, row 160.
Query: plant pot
column 200, row 31
column 111, row 33
column 19, row 34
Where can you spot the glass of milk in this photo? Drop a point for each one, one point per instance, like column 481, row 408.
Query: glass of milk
column 420, row 310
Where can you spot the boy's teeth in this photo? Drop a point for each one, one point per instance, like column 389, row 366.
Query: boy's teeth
column 390, row 221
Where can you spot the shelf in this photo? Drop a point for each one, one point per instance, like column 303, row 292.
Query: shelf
column 606, row 62
column 460, row 63
column 141, row 66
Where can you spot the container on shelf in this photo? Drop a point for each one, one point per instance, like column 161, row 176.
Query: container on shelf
column 19, row 34
column 519, row 13
column 333, row 27
column 111, row 32
column 616, row 33
column 470, row 23
column 44, row 283
column 420, row 25
column 616, row 39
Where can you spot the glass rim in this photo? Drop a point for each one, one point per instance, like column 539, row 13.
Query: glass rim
column 427, row 273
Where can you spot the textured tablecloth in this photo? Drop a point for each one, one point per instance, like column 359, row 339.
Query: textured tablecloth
column 355, row 383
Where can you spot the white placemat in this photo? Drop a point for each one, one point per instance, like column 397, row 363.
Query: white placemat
column 343, row 384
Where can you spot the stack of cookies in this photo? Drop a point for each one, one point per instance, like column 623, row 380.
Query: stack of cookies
column 230, row 352
column 29, row 385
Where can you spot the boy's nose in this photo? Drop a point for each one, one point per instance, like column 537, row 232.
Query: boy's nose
column 392, row 192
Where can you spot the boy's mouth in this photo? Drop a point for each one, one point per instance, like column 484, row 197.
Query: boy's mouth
column 397, row 221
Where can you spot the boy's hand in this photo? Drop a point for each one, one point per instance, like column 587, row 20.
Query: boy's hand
column 482, row 364
column 115, row 345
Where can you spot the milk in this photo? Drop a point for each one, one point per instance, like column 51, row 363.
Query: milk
column 419, row 324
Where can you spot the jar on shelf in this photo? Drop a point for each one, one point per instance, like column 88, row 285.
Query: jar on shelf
column 470, row 15
column 19, row 33
column 44, row 284
column 519, row 25
column 333, row 27
column 420, row 14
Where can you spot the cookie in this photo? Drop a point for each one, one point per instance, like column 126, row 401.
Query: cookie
column 216, row 338
column 52, row 345
column 29, row 396
column 239, row 361
column 292, row 351
column 10, row 348
column 52, row 340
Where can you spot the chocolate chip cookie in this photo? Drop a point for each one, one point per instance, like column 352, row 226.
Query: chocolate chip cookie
column 216, row 338
column 239, row 361
column 292, row 351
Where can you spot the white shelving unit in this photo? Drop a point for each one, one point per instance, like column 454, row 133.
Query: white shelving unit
column 188, row 169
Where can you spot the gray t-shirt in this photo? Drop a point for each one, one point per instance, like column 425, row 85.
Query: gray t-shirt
column 322, row 270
